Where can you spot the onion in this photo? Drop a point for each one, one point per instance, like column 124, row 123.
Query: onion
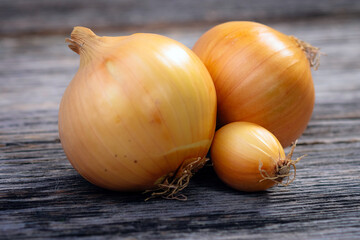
column 139, row 113
column 261, row 76
column 248, row 157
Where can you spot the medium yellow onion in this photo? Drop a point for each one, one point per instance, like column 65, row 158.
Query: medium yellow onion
column 140, row 109
column 261, row 76
column 248, row 157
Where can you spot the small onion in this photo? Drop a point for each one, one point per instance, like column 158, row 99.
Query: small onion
column 248, row 157
column 140, row 109
column 261, row 76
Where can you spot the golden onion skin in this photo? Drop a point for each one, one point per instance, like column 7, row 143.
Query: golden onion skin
column 261, row 76
column 237, row 151
column 138, row 107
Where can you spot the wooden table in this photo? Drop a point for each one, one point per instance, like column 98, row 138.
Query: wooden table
column 42, row 196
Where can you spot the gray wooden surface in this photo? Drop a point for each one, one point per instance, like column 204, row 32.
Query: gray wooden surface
column 43, row 197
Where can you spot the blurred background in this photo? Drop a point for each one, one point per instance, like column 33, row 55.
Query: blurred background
column 22, row 17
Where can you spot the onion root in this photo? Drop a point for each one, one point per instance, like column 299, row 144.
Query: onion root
column 171, row 184
column 283, row 169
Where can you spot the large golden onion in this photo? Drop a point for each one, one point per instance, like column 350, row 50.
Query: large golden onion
column 138, row 108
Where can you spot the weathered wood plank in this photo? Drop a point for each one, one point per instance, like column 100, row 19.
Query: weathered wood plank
column 42, row 196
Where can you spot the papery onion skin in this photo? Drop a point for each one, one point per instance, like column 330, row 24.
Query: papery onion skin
column 138, row 107
column 261, row 76
column 237, row 151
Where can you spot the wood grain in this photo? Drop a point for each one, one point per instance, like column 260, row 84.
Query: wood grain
column 43, row 197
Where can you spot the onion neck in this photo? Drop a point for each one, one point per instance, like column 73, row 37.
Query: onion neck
column 85, row 43
column 312, row 53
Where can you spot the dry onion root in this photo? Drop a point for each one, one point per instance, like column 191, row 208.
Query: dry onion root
column 140, row 107
column 282, row 169
column 249, row 158
column 171, row 184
